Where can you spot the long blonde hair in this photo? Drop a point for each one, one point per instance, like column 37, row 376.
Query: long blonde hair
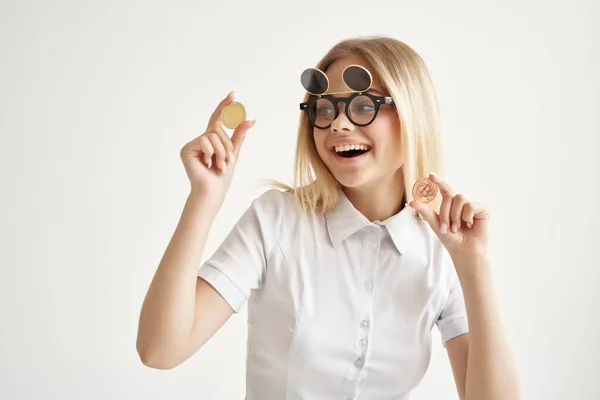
column 403, row 72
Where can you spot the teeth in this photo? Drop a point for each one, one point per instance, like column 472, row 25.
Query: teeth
column 351, row 147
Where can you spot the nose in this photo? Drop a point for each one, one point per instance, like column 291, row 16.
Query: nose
column 341, row 123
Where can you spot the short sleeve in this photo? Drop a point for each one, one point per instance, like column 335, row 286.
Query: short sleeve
column 237, row 266
column 453, row 318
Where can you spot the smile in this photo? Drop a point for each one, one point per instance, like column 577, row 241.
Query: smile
column 351, row 150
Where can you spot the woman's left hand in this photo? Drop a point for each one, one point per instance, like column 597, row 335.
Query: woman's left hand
column 461, row 225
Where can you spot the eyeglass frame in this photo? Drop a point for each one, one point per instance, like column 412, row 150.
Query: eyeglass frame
column 377, row 101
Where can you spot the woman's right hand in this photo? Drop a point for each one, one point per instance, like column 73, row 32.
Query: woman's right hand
column 210, row 159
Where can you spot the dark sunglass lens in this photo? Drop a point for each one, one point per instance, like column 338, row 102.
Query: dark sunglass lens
column 357, row 78
column 314, row 81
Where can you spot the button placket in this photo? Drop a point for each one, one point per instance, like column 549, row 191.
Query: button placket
column 369, row 266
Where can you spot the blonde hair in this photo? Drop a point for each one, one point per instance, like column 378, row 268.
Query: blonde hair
column 403, row 72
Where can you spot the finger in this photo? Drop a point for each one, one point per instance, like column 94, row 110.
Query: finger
column 215, row 118
column 239, row 135
column 219, row 148
column 445, row 212
column 477, row 213
column 468, row 214
column 458, row 204
column 427, row 213
column 443, row 185
column 480, row 212
column 207, row 150
column 225, row 139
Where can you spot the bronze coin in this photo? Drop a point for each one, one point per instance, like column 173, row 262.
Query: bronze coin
column 425, row 190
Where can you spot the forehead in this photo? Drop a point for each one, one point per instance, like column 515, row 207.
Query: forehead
column 335, row 70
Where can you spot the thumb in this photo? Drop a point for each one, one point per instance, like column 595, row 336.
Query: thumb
column 428, row 214
column 239, row 135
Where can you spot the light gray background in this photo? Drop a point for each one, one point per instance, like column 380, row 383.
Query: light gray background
column 97, row 98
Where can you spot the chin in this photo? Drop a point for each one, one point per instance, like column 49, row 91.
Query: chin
column 353, row 181
column 365, row 179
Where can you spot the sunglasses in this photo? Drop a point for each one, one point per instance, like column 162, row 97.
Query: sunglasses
column 322, row 109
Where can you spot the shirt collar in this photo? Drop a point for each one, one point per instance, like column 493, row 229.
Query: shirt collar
column 344, row 220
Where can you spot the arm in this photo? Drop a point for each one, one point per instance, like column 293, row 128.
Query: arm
column 482, row 361
column 483, row 366
column 181, row 311
column 458, row 353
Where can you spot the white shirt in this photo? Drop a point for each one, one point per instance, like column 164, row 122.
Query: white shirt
column 338, row 307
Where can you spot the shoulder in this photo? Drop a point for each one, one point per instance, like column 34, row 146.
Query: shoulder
column 272, row 207
column 273, row 201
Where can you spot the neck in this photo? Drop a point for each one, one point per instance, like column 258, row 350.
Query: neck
column 378, row 200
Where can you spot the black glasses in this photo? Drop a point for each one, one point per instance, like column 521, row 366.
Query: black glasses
column 361, row 109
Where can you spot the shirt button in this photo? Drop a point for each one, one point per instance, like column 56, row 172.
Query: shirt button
column 364, row 324
column 359, row 362
column 368, row 286
column 372, row 246
column 363, row 342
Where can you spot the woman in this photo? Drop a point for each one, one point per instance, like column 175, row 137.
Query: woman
column 344, row 280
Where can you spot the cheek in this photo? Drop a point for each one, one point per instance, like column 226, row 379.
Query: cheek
column 319, row 139
column 386, row 136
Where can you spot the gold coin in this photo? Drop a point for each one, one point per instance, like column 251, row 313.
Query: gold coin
column 233, row 114
column 425, row 190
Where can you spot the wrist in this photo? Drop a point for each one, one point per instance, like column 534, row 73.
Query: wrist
column 475, row 258
column 200, row 197
column 471, row 265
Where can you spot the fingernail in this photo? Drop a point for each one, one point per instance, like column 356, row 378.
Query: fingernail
column 232, row 92
column 444, row 228
column 208, row 161
column 434, row 175
column 454, row 227
column 469, row 225
column 223, row 166
column 230, row 157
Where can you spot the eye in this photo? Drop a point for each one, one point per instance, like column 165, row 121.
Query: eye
column 324, row 111
column 324, row 108
column 365, row 107
column 362, row 105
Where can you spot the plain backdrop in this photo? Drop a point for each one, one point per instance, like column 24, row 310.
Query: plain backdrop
column 97, row 99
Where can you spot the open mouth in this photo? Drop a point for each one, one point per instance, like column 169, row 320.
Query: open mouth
column 351, row 151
